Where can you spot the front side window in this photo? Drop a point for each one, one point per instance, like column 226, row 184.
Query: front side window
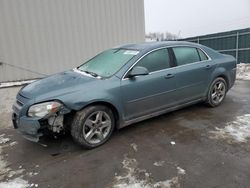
column 156, row 60
column 108, row 62
column 186, row 55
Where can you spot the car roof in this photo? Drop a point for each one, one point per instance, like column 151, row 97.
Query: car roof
column 145, row 46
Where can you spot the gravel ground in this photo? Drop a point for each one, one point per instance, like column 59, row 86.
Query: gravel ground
column 193, row 147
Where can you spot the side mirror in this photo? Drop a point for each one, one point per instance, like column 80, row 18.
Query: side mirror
column 137, row 71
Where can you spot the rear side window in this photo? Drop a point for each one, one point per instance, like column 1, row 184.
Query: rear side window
column 156, row 60
column 202, row 55
column 186, row 55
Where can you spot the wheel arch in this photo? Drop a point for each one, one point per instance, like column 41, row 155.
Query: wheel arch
column 209, row 100
column 218, row 75
column 224, row 77
column 221, row 72
column 110, row 106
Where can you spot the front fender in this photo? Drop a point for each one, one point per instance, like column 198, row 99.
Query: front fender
column 79, row 100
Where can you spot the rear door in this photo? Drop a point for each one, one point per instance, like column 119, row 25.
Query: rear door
column 143, row 95
column 193, row 70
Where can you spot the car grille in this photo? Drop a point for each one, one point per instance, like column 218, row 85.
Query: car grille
column 17, row 106
column 19, row 103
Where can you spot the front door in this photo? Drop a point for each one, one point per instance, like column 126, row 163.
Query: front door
column 146, row 94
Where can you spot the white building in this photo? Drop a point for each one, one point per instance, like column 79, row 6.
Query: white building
column 42, row 37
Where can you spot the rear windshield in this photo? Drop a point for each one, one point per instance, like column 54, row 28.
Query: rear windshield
column 108, row 62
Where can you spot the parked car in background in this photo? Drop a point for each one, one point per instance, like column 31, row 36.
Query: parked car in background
column 121, row 86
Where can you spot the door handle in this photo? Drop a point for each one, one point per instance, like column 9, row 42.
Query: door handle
column 169, row 76
column 208, row 67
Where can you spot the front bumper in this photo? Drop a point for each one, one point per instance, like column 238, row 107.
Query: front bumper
column 32, row 128
column 28, row 127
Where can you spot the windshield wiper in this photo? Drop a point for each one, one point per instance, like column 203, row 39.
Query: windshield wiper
column 91, row 73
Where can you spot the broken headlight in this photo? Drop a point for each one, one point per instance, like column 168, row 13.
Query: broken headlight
column 44, row 109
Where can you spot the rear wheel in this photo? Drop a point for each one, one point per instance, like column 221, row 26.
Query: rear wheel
column 93, row 126
column 217, row 92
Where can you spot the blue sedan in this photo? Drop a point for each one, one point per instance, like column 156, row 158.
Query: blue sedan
column 122, row 86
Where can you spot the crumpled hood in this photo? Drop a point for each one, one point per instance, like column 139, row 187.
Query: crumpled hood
column 56, row 85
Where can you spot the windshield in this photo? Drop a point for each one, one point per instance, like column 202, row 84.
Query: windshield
column 108, row 62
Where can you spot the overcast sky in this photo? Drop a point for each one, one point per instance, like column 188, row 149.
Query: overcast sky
column 196, row 17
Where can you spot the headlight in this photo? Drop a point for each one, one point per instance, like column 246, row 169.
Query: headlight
column 43, row 109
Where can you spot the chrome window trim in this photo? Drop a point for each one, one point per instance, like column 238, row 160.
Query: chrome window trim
column 166, row 47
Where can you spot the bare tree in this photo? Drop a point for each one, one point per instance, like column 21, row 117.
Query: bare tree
column 158, row 36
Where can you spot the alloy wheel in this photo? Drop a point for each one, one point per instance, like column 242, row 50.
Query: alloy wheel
column 97, row 127
column 218, row 92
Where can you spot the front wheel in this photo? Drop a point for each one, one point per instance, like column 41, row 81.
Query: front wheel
column 217, row 92
column 93, row 126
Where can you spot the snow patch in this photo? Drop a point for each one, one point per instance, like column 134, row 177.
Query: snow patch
column 181, row 171
column 140, row 178
column 243, row 71
column 17, row 83
column 13, row 143
column 134, row 146
column 32, row 174
column 3, row 164
column 3, row 140
column 174, row 182
column 235, row 131
column 159, row 163
column 13, row 173
column 129, row 179
column 172, row 142
column 6, row 172
column 15, row 183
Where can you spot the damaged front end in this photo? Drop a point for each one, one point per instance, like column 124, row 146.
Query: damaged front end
column 35, row 120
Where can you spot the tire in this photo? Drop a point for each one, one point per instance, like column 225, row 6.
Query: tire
column 91, row 130
column 217, row 92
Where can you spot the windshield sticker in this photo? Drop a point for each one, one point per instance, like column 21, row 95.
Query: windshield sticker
column 131, row 52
